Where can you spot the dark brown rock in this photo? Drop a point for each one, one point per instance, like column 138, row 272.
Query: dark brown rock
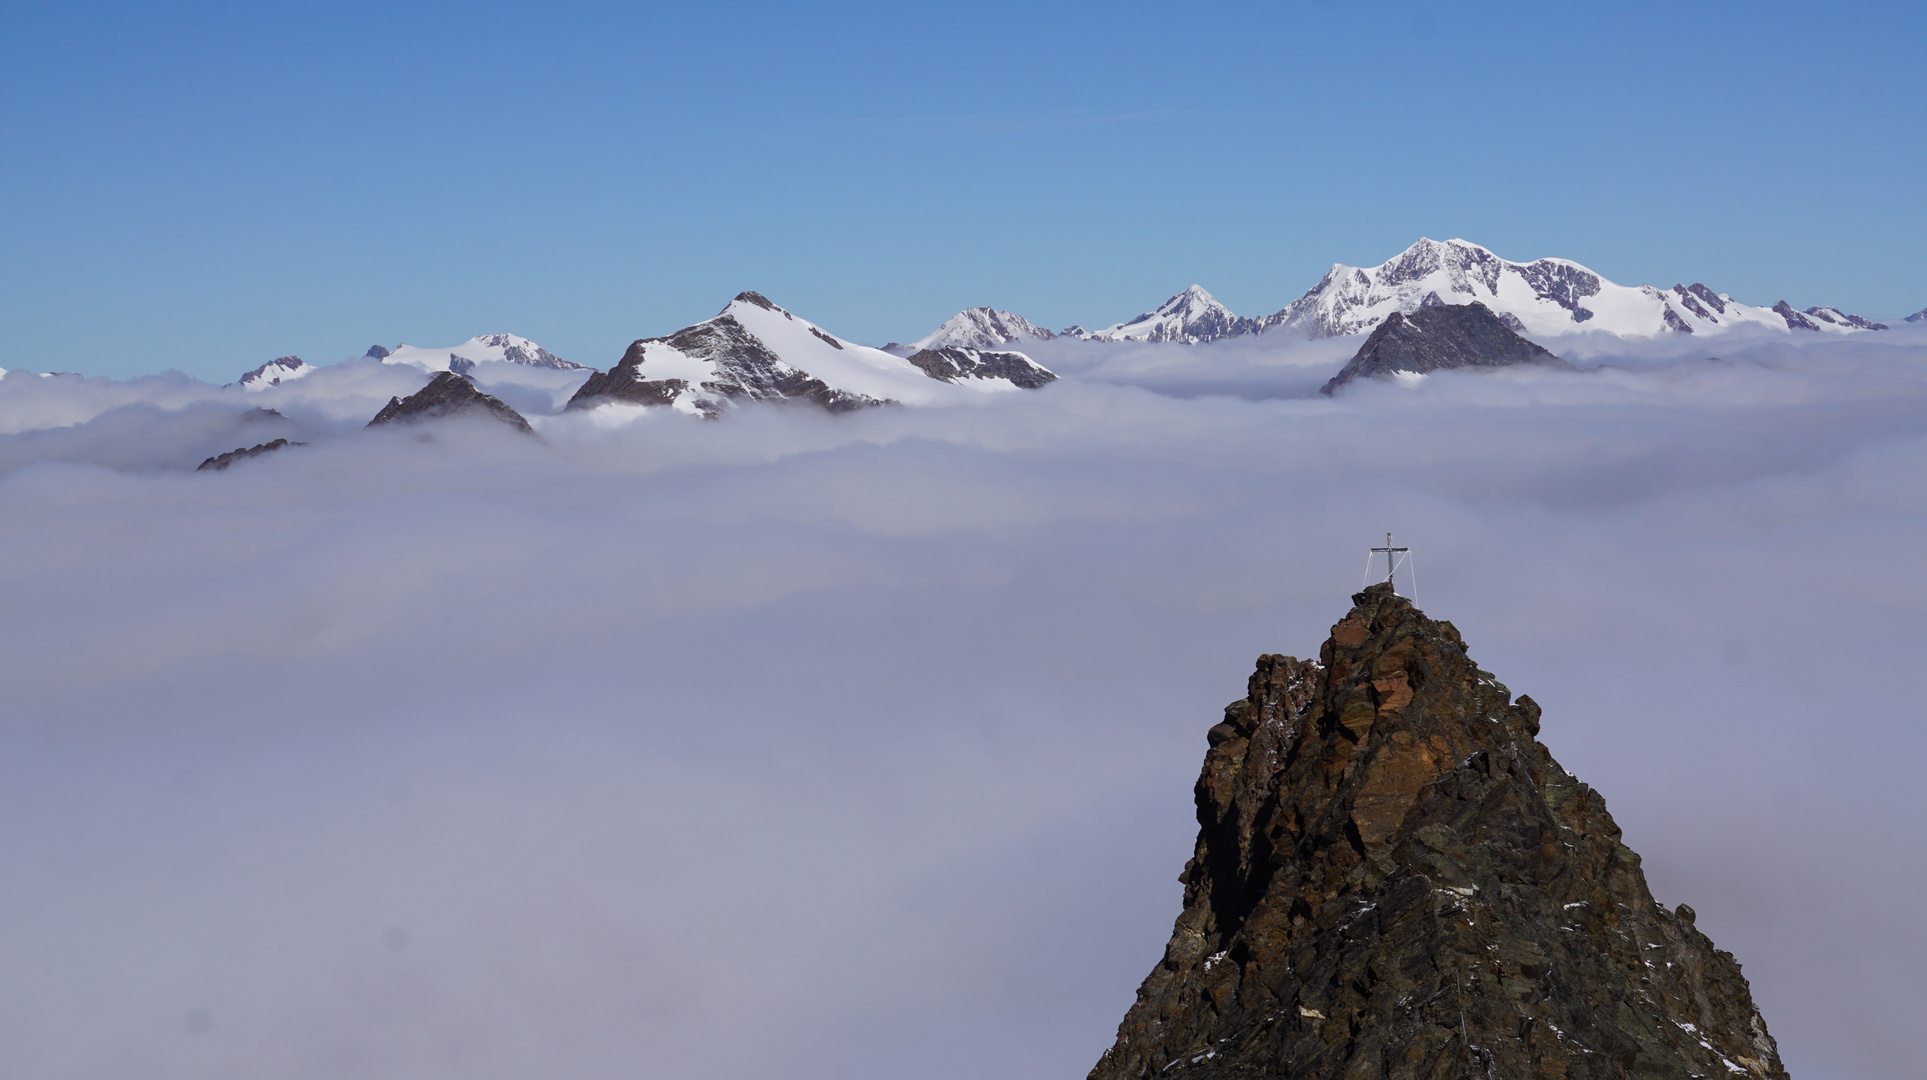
column 1394, row 879
column 1440, row 337
column 449, row 394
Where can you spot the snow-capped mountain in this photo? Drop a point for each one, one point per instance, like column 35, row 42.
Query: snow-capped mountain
column 1918, row 316
column 1542, row 297
column 981, row 328
column 501, row 348
column 1191, row 317
column 1824, row 318
column 275, row 372
column 756, row 351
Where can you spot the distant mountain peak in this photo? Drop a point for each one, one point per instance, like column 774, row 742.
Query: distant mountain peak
column 754, row 350
column 449, row 393
column 1192, row 317
column 1545, row 296
column 981, row 328
column 275, row 372
column 1437, row 338
column 482, row 348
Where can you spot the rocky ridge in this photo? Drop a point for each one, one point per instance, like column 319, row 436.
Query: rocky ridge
column 449, row 393
column 222, row 461
column 1437, row 338
column 1394, row 879
column 951, row 363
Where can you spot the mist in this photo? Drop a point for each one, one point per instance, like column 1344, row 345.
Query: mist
column 862, row 746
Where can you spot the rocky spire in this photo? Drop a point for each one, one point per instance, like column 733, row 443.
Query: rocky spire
column 1394, row 879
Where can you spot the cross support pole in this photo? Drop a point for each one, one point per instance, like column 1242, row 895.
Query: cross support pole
column 1391, row 559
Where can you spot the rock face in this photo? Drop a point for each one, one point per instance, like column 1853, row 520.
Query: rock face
column 449, row 394
column 1394, row 879
column 222, row 461
column 1436, row 338
column 952, row 363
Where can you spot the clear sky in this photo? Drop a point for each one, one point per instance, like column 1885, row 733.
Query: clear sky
column 206, row 186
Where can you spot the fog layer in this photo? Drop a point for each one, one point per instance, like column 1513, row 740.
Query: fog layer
column 862, row 746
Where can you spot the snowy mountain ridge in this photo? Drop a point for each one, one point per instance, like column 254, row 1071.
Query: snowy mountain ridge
column 1191, row 317
column 1542, row 297
column 275, row 372
column 482, row 348
column 979, row 328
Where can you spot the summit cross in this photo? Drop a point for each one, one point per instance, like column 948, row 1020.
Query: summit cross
column 1391, row 559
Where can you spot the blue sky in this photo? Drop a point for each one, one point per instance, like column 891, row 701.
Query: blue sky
column 205, row 187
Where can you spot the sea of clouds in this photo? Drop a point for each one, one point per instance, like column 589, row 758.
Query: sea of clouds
column 861, row 747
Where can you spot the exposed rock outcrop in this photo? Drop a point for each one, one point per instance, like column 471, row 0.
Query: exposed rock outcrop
column 449, row 394
column 222, row 461
column 1394, row 879
column 951, row 363
column 1440, row 337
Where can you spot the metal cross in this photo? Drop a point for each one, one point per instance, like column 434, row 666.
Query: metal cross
column 1391, row 559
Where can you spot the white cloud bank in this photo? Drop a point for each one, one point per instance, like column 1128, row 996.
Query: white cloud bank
column 861, row 746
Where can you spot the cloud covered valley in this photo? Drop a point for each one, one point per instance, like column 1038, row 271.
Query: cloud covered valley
column 861, row 746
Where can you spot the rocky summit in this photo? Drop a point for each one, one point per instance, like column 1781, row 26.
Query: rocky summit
column 1394, row 879
column 449, row 394
column 1437, row 338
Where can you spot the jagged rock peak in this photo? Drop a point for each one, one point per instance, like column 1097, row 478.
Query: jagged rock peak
column 449, row 393
column 1394, row 879
column 1435, row 338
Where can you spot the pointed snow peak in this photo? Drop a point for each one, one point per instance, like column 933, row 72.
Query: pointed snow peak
column 982, row 328
column 1191, row 317
column 748, row 296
